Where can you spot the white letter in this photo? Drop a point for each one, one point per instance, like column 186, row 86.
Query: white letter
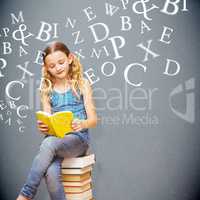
column 94, row 33
column 22, row 51
column 70, row 22
column 10, row 85
column 3, row 66
column 115, row 48
column 98, row 54
column 110, row 9
column 20, row 17
column 41, row 83
column 113, row 68
column 124, row 3
column 168, row 65
column 7, row 48
column 184, row 6
column 77, row 41
column 175, row 7
column 24, row 69
column 148, row 51
column 125, row 21
column 127, row 70
column 39, row 57
column 88, row 13
column 6, row 30
column 22, row 107
column 46, row 32
column 166, row 34
column 89, row 76
column 144, row 26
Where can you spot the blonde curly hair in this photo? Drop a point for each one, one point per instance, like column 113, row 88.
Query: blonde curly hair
column 75, row 73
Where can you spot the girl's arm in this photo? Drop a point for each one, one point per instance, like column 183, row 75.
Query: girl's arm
column 90, row 108
column 91, row 120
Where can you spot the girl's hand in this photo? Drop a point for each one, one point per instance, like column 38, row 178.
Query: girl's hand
column 77, row 125
column 42, row 127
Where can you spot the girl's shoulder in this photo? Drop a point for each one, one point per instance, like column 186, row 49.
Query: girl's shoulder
column 87, row 92
column 85, row 86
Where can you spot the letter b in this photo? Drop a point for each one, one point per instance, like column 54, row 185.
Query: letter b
column 174, row 6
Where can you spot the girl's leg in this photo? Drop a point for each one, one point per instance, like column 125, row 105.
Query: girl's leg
column 53, row 180
column 69, row 146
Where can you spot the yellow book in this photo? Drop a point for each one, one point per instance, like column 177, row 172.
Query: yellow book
column 58, row 123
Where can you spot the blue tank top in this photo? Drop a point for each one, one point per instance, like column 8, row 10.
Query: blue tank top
column 68, row 101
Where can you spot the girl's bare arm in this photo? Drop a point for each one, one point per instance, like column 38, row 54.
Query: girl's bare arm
column 90, row 108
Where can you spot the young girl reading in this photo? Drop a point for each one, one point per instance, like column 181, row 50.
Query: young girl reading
column 63, row 88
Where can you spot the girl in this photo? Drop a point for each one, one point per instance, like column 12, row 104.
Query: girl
column 63, row 88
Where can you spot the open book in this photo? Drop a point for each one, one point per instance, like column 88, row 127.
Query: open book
column 58, row 123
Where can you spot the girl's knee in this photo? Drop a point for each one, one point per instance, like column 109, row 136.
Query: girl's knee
column 48, row 144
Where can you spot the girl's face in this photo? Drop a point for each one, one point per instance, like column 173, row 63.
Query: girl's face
column 57, row 64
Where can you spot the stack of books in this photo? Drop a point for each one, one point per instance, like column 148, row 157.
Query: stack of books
column 77, row 177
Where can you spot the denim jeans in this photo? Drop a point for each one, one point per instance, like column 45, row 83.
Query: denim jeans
column 47, row 164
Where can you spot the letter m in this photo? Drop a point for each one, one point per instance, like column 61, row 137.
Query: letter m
column 17, row 19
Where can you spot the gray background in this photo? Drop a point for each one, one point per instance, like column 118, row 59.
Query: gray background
column 134, row 162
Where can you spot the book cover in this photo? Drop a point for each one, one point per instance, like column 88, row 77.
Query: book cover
column 80, row 162
column 76, row 183
column 76, row 177
column 86, row 194
column 59, row 123
column 77, row 189
column 76, row 171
